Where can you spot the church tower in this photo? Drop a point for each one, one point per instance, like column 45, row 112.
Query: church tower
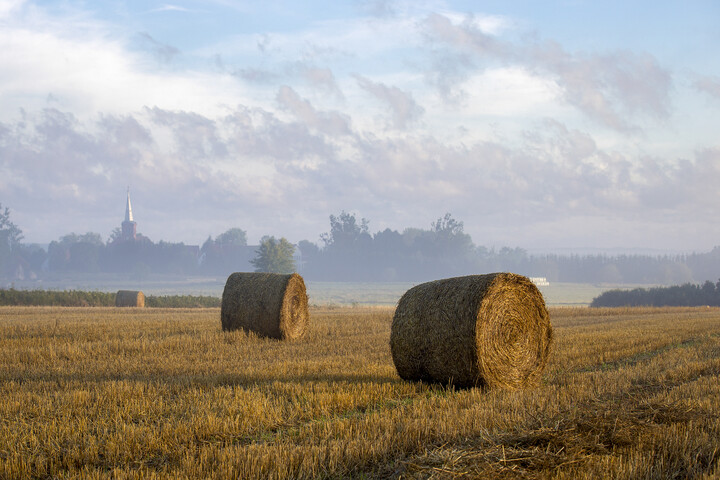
column 129, row 227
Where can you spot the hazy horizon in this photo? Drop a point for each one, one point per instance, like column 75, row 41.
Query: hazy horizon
column 564, row 126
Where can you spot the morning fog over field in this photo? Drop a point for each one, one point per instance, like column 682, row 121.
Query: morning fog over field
column 472, row 137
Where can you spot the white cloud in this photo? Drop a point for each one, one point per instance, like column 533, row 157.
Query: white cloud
column 608, row 88
column 89, row 72
column 403, row 108
column 709, row 85
column 510, row 92
column 10, row 6
column 257, row 163
column 170, row 8
column 330, row 123
column 493, row 25
column 163, row 53
column 275, row 131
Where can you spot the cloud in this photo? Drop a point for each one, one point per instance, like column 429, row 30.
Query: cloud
column 403, row 108
column 709, row 85
column 273, row 132
column 465, row 33
column 9, row 6
column 256, row 75
column 263, row 42
column 196, row 137
column 193, row 175
column 379, row 8
column 87, row 68
column 608, row 88
column 321, row 78
column 162, row 52
column 171, row 8
column 330, row 123
column 447, row 71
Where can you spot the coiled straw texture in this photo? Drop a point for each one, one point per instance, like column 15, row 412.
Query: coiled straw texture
column 488, row 330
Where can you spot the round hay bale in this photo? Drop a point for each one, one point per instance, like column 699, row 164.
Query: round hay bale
column 129, row 298
column 480, row 330
column 269, row 304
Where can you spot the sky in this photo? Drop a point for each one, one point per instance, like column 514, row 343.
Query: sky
column 564, row 124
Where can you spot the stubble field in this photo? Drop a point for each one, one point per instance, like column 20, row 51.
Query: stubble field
column 164, row 393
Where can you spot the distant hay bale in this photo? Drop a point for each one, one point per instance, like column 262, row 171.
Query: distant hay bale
column 480, row 330
column 129, row 298
column 269, row 304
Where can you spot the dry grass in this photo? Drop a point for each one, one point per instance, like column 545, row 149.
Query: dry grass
column 126, row 393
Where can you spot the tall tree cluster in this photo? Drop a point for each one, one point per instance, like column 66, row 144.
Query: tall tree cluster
column 686, row 295
column 348, row 251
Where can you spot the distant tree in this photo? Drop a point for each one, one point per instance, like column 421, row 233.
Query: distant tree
column 447, row 225
column 235, row 237
column 80, row 253
column 345, row 232
column 676, row 295
column 115, row 235
column 209, row 243
column 310, row 255
column 227, row 253
column 449, row 238
column 34, row 255
column 91, row 238
column 274, row 256
column 308, row 249
column 10, row 236
column 443, row 250
column 58, row 256
column 84, row 257
column 388, row 242
column 348, row 248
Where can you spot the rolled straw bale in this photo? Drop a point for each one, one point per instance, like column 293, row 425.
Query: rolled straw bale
column 480, row 330
column 269, row 304
column 129, row 298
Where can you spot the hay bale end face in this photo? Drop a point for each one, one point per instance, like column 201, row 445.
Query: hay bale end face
column 480, row 330
column 129, row 298
column 269, row 304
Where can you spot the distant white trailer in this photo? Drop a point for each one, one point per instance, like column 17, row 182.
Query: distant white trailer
column 540, row 281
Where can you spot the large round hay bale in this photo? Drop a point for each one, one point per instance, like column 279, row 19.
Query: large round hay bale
column 481, row 330
column 269, row 304
column 129, row 298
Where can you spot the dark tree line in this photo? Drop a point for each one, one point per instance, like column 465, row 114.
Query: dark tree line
column 686, row 295
column 351, row 252
column 88, row 254
column 348, row 251
column 79, row 298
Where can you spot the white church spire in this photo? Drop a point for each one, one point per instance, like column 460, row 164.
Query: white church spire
column 128, row 208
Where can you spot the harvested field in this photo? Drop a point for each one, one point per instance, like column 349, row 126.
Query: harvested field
column 165, row 393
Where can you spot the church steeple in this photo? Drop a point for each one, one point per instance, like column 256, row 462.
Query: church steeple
column 128, row 208
column 129, row 227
